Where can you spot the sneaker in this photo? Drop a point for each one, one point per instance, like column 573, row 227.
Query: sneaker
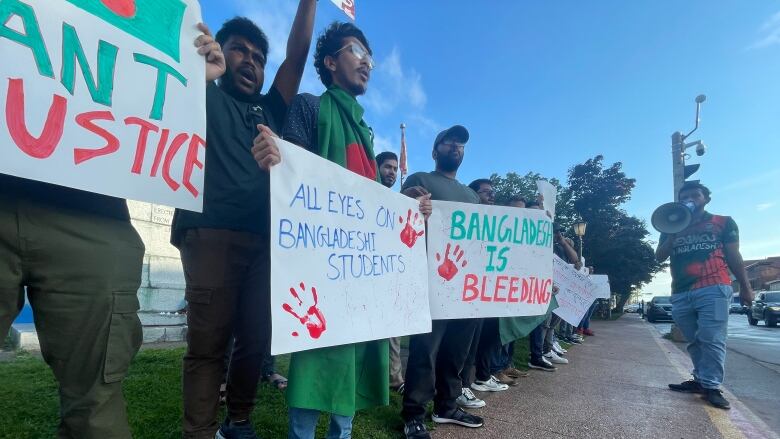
column 503, row 378
column 491, row 385
column 558, row 349
column 588, row 332
column 514, row 373
column 236, row 430
column 415, row 429
column 573, row 340
column 541, row 364
column 458, row 417
column 468, row 400
column 689, row 386
column 716, row 399
column 552, row 357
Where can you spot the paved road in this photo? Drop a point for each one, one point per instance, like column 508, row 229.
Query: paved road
column 752, row 366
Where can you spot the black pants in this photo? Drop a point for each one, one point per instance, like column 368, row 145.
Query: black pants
column 435, row 363
column 489, row 347
column 467, row 374
column 536, row 342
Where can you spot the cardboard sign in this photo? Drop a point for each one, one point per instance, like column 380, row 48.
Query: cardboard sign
column 348, row 257
column 602, row 289
column 575, row 291
column 550, row 195
column 488, row 261
column 348, row 6
column 106, row 96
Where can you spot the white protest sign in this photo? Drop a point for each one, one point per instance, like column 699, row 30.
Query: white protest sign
column 575, row 291
column 348, row 259
column 348, row 6
column 106, row 96
column 549, row 195
column 602, row 290
column 488, row 261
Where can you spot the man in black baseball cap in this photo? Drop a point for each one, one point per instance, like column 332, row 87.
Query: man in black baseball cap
column 436, row 358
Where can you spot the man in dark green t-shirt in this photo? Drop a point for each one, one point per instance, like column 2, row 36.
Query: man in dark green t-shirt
column 702, row 256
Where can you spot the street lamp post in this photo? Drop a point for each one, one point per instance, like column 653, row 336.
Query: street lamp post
column 579, row 230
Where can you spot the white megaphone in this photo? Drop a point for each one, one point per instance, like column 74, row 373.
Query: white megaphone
column 672, row 217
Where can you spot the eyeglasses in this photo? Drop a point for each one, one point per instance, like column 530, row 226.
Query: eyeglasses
column 450, row 144
column 360, row 53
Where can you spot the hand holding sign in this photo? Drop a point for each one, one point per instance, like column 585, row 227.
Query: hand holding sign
column 312, row 318
column 264, row 149
column 212, row 51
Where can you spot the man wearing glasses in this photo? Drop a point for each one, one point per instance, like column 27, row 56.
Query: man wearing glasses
column 437, row 358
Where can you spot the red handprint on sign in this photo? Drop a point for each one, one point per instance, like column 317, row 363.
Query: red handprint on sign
column 409, row 234
column 449, row 268
column 313, row 318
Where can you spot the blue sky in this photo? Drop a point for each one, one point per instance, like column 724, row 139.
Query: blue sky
column 543, row 86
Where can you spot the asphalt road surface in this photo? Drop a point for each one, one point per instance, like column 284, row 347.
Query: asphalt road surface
column 752, row 366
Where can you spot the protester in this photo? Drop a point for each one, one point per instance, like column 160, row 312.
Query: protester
column 701, row 289
column 80, row 260
column 552, row 352
column 225, row 249
column 387, row 162
column 583, row 328
column 437, row 358
column 342, row 379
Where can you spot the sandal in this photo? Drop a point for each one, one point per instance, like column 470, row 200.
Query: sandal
column 276, row 380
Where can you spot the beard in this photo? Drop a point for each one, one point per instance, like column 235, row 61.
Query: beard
column 448, row 163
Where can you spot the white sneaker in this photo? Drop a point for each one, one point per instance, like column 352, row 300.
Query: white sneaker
column 468, row 400
column 491, row 385
column 559, row 349
column 552, row 357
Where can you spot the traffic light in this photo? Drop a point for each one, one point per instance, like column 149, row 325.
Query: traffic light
column 689, row 170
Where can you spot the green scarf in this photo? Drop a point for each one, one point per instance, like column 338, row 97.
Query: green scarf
column 512, row 328
column 341, row 129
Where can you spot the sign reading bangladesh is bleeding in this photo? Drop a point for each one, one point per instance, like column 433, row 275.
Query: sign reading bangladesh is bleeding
column 106, row 96
column 488, row 261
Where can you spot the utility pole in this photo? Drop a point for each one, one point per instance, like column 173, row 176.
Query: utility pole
column 681, row 171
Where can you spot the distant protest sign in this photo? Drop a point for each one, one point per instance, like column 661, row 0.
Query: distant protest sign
column 602, row 289
column 347, row 6
column 575, row 291
column 549, row 196
column 488, row 261
column 106, row 96
column 348, row 257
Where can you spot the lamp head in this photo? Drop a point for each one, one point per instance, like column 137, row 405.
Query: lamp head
column 700, row 99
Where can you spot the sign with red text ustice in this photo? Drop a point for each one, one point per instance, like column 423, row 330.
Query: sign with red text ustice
column 348, row 257
column 106, row 96
column 488, row 261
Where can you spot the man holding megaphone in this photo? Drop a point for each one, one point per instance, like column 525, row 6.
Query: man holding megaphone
column 703, row 250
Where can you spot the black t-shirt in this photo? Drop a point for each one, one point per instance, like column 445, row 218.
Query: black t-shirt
column 64, row 197
column 236, row 190
column 301, row 125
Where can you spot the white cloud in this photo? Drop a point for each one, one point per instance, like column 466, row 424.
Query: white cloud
column 764, row 206
column 769, row 33
column 382, row 144
column 394, row 87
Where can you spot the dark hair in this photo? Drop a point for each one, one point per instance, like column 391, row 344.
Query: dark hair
column 474, row 185
column 516, row 198
column 384, row 156
column 243, row 27
column 532, row 203
column 330, row 41
column 688, row 185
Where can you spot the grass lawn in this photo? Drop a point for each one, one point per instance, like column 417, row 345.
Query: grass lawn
column 29, row 400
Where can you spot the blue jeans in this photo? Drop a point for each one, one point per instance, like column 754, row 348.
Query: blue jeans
column 703, row 316
column 303, row 424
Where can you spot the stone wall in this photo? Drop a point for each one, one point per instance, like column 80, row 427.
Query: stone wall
column 162, row 282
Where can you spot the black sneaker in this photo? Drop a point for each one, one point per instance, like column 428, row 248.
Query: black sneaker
column 540, row 364
column 236, row 430
column 689, row 386
column 415, row 429
column 458, row 417
column 716, row 399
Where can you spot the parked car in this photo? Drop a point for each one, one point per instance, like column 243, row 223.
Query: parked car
column 659, row 308
column 765, row 307
column 736, row 306
column 631, row 308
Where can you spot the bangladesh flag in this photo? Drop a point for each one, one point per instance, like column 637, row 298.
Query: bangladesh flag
column 155, row 22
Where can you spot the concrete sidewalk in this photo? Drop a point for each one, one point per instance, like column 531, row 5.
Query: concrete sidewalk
column 614, row 387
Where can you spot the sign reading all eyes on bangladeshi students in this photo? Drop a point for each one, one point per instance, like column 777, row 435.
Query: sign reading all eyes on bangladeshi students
column 348, row 259
column 106, row 96
column 488, row 261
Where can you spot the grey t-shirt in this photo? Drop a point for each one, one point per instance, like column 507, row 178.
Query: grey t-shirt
column 441, row 187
